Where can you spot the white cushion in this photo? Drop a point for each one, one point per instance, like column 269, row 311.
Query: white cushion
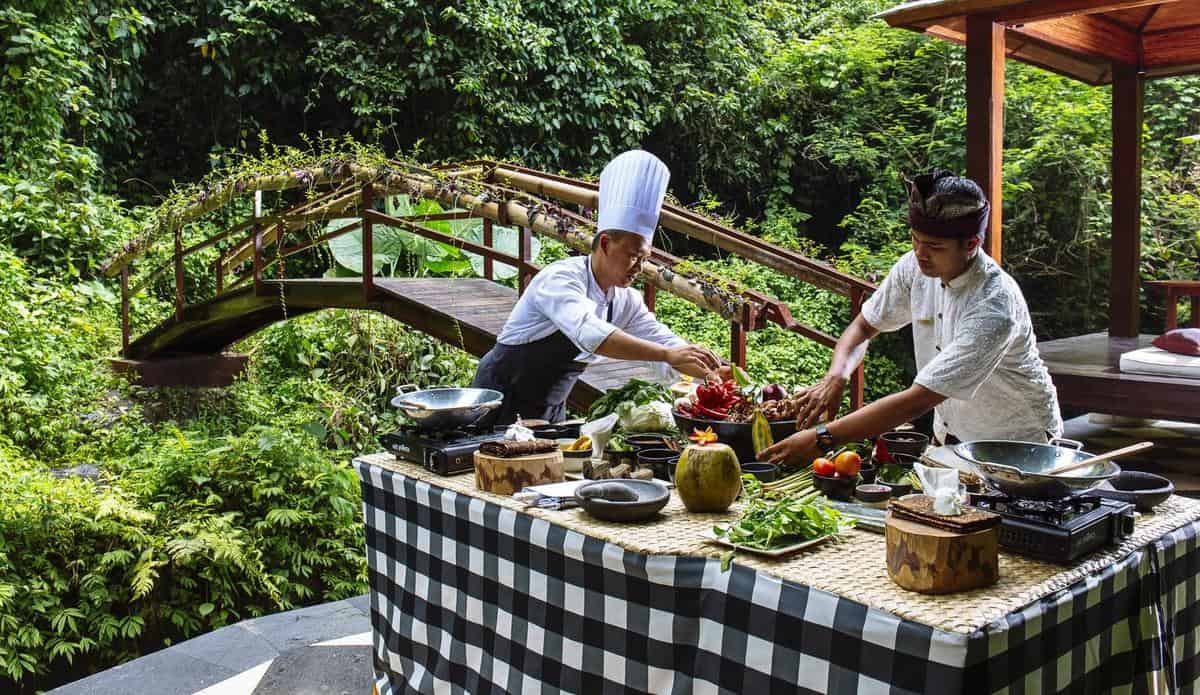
column 1159, row 362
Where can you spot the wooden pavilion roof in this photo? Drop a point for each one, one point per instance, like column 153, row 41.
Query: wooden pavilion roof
column 1082, row 39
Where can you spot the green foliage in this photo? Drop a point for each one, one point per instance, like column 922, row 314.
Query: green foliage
column 203, row 530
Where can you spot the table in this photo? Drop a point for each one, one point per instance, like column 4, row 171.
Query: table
column 471, row 594
column 1173, row 291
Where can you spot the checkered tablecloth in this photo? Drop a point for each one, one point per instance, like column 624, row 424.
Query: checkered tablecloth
column 468, row 596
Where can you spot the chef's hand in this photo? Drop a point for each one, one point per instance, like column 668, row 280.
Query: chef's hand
column 723, row 373
column 694, row 360
column 822, row 398
column 799, row 448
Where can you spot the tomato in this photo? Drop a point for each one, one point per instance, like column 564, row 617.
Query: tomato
column 823, row 466
column 848, row 463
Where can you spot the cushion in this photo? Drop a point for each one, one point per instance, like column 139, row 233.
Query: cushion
column 1183, row 341
column 1159, row 362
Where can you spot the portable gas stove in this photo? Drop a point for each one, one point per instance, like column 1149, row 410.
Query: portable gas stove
column 447, row 452
column 1058, row 530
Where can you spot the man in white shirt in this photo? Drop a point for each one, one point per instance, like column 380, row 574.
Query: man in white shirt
column 976, row 353
column 580, row 307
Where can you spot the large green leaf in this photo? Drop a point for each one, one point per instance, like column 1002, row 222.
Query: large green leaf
column 387, row 246
column 504, row 240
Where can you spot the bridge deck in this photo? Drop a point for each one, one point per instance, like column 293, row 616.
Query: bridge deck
column 465, row 312
column 481, row 307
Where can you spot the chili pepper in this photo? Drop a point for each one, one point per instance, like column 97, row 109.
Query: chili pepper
column 702, row 410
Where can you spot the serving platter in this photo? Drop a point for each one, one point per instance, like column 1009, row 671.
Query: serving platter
column 776, row 552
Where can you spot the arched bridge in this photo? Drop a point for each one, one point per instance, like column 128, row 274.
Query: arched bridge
column 254, row 289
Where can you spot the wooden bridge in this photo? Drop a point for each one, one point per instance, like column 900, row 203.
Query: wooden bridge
column 190, row 347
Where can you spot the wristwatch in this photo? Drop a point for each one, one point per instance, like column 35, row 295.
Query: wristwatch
column 824, row 438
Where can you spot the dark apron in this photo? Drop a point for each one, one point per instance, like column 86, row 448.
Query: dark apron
column 535, row 378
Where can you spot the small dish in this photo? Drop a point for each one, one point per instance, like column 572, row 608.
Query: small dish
column 904, row 442
column 660, row 461
column 873, row 495
column 646, row 441
column 776, row 552
column 1143, row 490
column 652, row 496
column 835, row 488
column 868, row 472
column 765, row 472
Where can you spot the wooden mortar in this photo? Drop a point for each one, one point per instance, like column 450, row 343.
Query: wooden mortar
column 504, row 476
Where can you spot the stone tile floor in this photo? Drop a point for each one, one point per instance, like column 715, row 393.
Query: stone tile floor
column 319, row 650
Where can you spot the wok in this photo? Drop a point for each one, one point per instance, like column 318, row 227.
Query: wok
column 445, row 408
column 1017, row 468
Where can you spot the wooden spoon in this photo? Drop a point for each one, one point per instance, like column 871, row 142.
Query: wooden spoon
column 1123, row 451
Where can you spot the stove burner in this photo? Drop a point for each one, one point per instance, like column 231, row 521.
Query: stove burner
column 445, row 452
column 1058, row 530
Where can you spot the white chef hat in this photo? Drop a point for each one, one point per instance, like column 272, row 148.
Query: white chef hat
column 632, row 188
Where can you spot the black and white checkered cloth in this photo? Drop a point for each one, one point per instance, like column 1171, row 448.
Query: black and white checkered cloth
column 471, row 597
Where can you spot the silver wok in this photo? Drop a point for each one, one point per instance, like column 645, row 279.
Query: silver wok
column 445, row 408
column 1017, row 468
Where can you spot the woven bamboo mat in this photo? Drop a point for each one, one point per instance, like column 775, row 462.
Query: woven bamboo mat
column 852, row 566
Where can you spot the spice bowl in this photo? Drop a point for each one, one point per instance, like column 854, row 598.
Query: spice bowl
column 765, row 472
column 661, row 461
column 835, row 488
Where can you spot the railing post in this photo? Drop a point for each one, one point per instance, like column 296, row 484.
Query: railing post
column 179, row 274
column 857, row 379
column 488, row 266
column 524, row 242
column 368, row 243
column 125, row 311
column 648, row 293
column 219, row 269
column 737, row 336
column 258, row 261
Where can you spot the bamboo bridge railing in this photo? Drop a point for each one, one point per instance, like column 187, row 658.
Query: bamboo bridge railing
column 497, row 193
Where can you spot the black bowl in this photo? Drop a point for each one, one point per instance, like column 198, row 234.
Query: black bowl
column 652, row 496
column 660, row 461
column 645, row 441
column 835, row 488
column 898, row 489
column 905, row 442
column 765, row 472
column 868, row 472
column 1144, row 490
column 735, row 434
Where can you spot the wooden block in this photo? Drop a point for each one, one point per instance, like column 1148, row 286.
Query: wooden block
column 504, row 476
column 933, row 561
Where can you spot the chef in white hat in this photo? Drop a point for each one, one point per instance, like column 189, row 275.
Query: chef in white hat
column 580, row 307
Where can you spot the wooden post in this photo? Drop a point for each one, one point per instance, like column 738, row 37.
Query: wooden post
column 124, row 311
column 179, row 274
column 524, row 244
column 489, row 272
column 219, row 267
column 258, row 260
column 737, row 336
column 985, row 118
column 649, row 292
column 1123, row 307
column 368, row 243
column 857, row 378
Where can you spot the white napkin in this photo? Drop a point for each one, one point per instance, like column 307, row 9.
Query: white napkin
column 942, row 485
column 517, row 432
column 599, row 431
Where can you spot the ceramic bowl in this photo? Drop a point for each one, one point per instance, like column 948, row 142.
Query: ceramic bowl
column 835, row 488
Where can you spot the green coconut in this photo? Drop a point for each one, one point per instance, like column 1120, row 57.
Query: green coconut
column 708, row 477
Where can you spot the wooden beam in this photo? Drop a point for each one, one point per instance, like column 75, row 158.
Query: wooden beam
column 1127, row 96
column 1008, row 11
column 1086, row 36
column 1172, row 47
column 1038, row 10
column 985, row 119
